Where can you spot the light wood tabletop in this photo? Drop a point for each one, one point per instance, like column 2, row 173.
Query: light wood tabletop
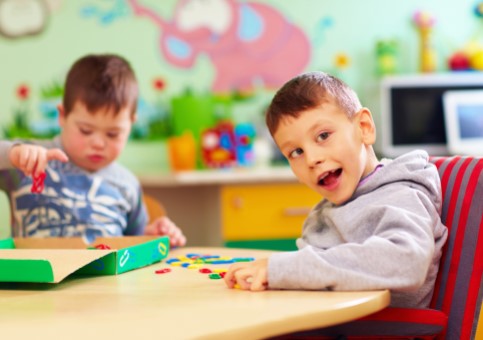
column 180, row 304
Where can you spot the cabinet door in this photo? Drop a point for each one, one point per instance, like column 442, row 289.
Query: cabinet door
column 265, row 211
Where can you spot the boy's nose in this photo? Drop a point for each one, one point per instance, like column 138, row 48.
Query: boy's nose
column 98, row 142
column 313, row 158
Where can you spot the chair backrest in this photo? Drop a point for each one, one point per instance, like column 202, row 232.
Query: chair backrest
column 154, row 207
column 458, row 290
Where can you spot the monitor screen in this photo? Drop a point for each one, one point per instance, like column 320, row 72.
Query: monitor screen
column 470, row 120
column 463, row 112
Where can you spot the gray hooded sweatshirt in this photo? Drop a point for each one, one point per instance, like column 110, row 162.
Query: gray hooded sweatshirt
column 389, row 235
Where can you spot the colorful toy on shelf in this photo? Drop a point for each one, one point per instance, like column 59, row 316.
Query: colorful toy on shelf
column 182, row 152
column 476, row 59
column 474, row 50
column 218, row 146
column 470, row 57
column 244, row 137
column 424, row 23
column 387, row 57
column 226, row 145
column 459, row 61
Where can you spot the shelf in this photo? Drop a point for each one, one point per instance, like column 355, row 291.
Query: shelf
column 218, row 177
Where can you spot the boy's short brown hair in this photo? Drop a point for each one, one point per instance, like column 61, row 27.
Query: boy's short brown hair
column 307, row 91
column 101, row 81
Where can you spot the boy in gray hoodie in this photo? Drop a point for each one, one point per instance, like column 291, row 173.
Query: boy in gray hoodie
column 378, row 225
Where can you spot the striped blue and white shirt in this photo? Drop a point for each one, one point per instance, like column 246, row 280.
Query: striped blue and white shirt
column 74, row 202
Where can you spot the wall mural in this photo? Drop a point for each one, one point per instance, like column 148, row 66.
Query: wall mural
column 20, row 18
column 247, row 42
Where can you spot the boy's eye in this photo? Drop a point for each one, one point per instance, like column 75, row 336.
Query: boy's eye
column 85, row 131
column 323, row 136
column 295, row 153
column 112, row 134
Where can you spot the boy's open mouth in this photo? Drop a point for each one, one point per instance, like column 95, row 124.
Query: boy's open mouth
column 329, row 177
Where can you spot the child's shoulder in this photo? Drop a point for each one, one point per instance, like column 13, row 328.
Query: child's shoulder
column 416, row 156
column 410, row 169
column 411, row 163
column 119, row 173
column 413, row 169
column 121, row 178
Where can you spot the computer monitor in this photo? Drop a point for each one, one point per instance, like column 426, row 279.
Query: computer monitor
column 412, row 115
column 463, row 112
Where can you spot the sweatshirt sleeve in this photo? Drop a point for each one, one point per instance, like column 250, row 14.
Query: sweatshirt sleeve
column 138, row 217
column 396, row 252
column 5, row 147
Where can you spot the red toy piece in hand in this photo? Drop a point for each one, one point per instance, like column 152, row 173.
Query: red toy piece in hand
column 38, row 183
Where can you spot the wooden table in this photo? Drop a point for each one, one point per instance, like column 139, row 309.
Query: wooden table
column 181, row 304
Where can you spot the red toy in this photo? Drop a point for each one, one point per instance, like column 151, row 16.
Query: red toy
column 163, row 271
column 102, row 246
column 38, row 183
column 459, row 61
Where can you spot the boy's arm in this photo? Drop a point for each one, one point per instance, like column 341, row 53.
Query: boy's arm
column 396, row 256
column 5, row 147
column 137, row 217
column 9, row 176
column 28, row 158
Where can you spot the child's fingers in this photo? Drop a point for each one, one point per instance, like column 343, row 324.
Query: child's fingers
column 237, row 274
column 178, row 241
column 230, row 277
column 40, row 166
column 21, row 158
column 259, row 281
column 167, row 227
column 170, row 230
column 57, row 154
column 244, row 279
column 31, row 161
column 34, row 158
column 40, row 156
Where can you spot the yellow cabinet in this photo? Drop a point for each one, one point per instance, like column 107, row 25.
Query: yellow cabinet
column 264, row 212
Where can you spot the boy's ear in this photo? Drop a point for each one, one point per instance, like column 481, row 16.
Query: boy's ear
column 61, row 118
column 367, row 126
column 134, row 118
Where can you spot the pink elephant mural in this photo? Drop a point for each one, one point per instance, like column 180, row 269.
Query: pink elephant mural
column 248, row 43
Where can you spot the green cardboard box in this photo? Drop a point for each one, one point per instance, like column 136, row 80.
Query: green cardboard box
column 53, row 259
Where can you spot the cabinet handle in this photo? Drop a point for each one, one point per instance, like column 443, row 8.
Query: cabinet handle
column 237, row 202
column 296, row 211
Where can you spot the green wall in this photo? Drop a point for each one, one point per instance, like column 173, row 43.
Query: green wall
column 348, row 28
column 351, row 27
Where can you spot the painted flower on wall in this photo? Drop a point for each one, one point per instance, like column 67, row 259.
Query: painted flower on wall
column 19, row 127
column 342, row 60
column 153, row 121
column 23, row 92
column 23, row 124
column 159, row 84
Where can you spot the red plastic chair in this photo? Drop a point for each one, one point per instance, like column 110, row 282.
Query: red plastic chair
column 456, row 303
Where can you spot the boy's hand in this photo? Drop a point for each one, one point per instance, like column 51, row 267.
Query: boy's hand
column 164, row 226
column 29, row 158
column 248, row 275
